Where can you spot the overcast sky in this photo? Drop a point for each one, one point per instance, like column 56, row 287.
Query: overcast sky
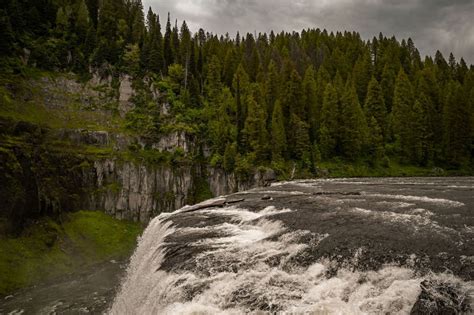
column 447, row 25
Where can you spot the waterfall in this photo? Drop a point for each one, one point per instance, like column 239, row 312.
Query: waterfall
column 239, row 258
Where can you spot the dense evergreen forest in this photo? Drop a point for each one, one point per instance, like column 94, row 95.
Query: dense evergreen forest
column 278, row 100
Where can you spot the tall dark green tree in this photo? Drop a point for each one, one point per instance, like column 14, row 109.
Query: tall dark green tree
column 240, row 86
column 167, row 45
column 222, row 130
column 310, row 100
column 292, row 97
column 329, row 132
column 175, row 43
column 213, row 83
column 153, row 46
column 299, row 144
column 7, row 35
column 421, row 150
column 255, row 132
column 278, row 134
column 273, row 86
column 456, row 122
column 361, row 75
column 402, row 112
column 375, row 142
column 353, row 128
column 375, row 104
column 387, row 84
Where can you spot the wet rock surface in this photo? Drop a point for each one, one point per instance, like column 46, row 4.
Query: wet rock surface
column 441, row 298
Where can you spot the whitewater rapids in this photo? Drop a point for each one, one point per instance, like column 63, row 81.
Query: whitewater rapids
column 309, row 247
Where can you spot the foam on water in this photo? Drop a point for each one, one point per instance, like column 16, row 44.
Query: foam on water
column 395, row 205
column 440, row 201
column 416, row 218
column 143, row 275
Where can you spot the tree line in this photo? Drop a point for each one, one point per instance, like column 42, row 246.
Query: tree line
column 262, row 99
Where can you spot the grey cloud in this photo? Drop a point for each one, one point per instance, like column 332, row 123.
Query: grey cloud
column 446, row 25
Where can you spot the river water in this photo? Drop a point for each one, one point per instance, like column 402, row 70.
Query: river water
column 339, row 246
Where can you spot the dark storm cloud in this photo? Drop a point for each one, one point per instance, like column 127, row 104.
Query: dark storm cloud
column 432, row 24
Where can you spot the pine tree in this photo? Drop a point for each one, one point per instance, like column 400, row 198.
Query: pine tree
column 108, row 32
column 167, row 45
column 185, row 48
column 90, row 41
column 213, row 83
column 361, row 75
column 388, row 85
column 292, row 97
column 428, row 95
column 229, row 157
column 93, row 8
column 231, row 63
column 273, row 86
column 175, row 43
column 402, row 111
column 82, row 20
column 375, row 104
column 322, row 80
column 353, row 128
column 278, row 133
column 222, row 131
column 62, row 20
column 300, row 145
column 7, row 35
column 456, row 122
column 138, row 23
column 420, row 144
column 329, row 131
column 375, row 143
column 154, row 44
column 255, row 132
column 132, row 58
column 310, row 100
column 240, row 86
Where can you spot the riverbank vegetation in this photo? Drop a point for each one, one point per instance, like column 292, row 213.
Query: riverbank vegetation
column 48, row 249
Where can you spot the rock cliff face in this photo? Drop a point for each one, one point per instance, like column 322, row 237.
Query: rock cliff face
column 40, row 178
column 138, row 192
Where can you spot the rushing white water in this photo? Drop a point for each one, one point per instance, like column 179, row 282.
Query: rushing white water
column 445, row 202
column 249, row 268
column 143, row 278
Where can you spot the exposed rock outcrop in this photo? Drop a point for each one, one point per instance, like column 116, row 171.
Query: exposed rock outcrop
column 137, row 191
column 125, row 94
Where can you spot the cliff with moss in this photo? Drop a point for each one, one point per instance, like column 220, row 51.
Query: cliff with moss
column 67, row 145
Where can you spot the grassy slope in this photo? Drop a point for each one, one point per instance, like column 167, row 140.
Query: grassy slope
column 47, row 250
column 394, row 169
column 36, row 96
